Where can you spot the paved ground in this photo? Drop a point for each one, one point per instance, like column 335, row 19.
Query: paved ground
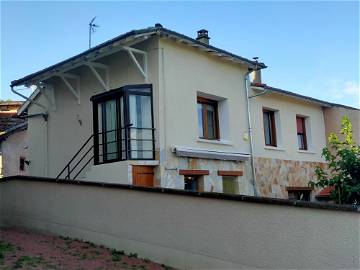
column 27, row 250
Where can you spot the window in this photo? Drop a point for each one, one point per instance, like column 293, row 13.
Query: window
column 299, row 193
column 123, row 124
column 230, row 184
column 269, row 128
column 193, row 183
column 301, row 133
column 208, row 121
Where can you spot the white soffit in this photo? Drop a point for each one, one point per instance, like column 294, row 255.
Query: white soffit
column 182, row 151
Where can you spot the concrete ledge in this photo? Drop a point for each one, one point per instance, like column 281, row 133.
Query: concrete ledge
column 213, row 195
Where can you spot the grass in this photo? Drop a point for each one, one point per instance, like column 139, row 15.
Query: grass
column 133, row 255
column 116, row 255
column 30, row 261
column 83, row 250
column 5, row 247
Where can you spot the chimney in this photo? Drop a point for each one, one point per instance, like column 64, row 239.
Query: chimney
column 202, row 36
column 256, row 77
column 256, row 74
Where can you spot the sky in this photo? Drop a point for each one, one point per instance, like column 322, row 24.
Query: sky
column 311, row 48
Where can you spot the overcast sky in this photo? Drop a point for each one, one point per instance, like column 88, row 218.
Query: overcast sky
column 311, row 48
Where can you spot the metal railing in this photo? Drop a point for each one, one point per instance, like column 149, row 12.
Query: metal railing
column 127, row 144
column 69, row 169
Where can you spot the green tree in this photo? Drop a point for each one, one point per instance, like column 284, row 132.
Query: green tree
column 343, row 172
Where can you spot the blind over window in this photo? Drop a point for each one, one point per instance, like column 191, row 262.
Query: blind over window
column 300, row 124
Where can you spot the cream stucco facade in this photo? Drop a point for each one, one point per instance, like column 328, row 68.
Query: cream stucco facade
column 179, row 74
column 206, row 76
column 52, row 143
column 283, row 166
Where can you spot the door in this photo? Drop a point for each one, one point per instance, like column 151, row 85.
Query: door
column 143, row 175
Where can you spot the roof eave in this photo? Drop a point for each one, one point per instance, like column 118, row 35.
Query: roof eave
column 85, row 56
column 293, row 95
column 96, row 52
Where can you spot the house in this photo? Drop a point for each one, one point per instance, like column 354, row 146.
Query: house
column 290, row 131
column 154, row 107
column 13, row 140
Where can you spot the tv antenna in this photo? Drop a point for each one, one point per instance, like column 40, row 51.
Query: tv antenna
column 92, row 28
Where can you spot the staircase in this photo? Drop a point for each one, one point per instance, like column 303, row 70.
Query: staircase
column 79, row 161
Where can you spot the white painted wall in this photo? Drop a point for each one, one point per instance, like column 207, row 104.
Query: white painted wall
column 53, row 143
column 287, row 108
column 11, row 149
column 187, row 232
column 186, row 72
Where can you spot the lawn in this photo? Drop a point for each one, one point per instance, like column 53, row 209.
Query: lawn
column 21, row 249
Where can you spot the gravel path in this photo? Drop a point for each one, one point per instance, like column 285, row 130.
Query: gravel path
column 21, row 249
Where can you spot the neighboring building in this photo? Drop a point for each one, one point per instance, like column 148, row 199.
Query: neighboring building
column 13, row 140
column 333, row 116
column 154, row 107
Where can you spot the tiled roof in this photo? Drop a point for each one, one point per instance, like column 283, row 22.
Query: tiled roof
column 299, row 96
column 11, row 103
column 10, row 123
column 157, row 30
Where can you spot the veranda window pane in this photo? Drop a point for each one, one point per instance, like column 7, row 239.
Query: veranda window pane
column 122, row 131
column 110, row 130
column 141, row 124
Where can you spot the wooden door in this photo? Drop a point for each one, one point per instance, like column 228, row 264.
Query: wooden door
column 143, row 175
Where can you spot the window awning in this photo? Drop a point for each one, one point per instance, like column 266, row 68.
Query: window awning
column 181, row 151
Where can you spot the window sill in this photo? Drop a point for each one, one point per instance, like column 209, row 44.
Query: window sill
column 144, row 162
column 306, row 151
column 223, row 142
column 274, row 148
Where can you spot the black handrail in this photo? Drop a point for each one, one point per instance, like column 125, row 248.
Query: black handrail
column 67, row 166
column 83, row 167
column 87, row 152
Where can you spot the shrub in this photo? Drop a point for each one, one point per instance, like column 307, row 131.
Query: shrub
column 343, row 172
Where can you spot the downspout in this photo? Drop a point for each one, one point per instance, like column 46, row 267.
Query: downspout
column 252, row 159
column 45, row 117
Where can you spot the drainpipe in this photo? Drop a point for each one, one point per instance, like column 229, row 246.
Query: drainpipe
column 252, row 159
